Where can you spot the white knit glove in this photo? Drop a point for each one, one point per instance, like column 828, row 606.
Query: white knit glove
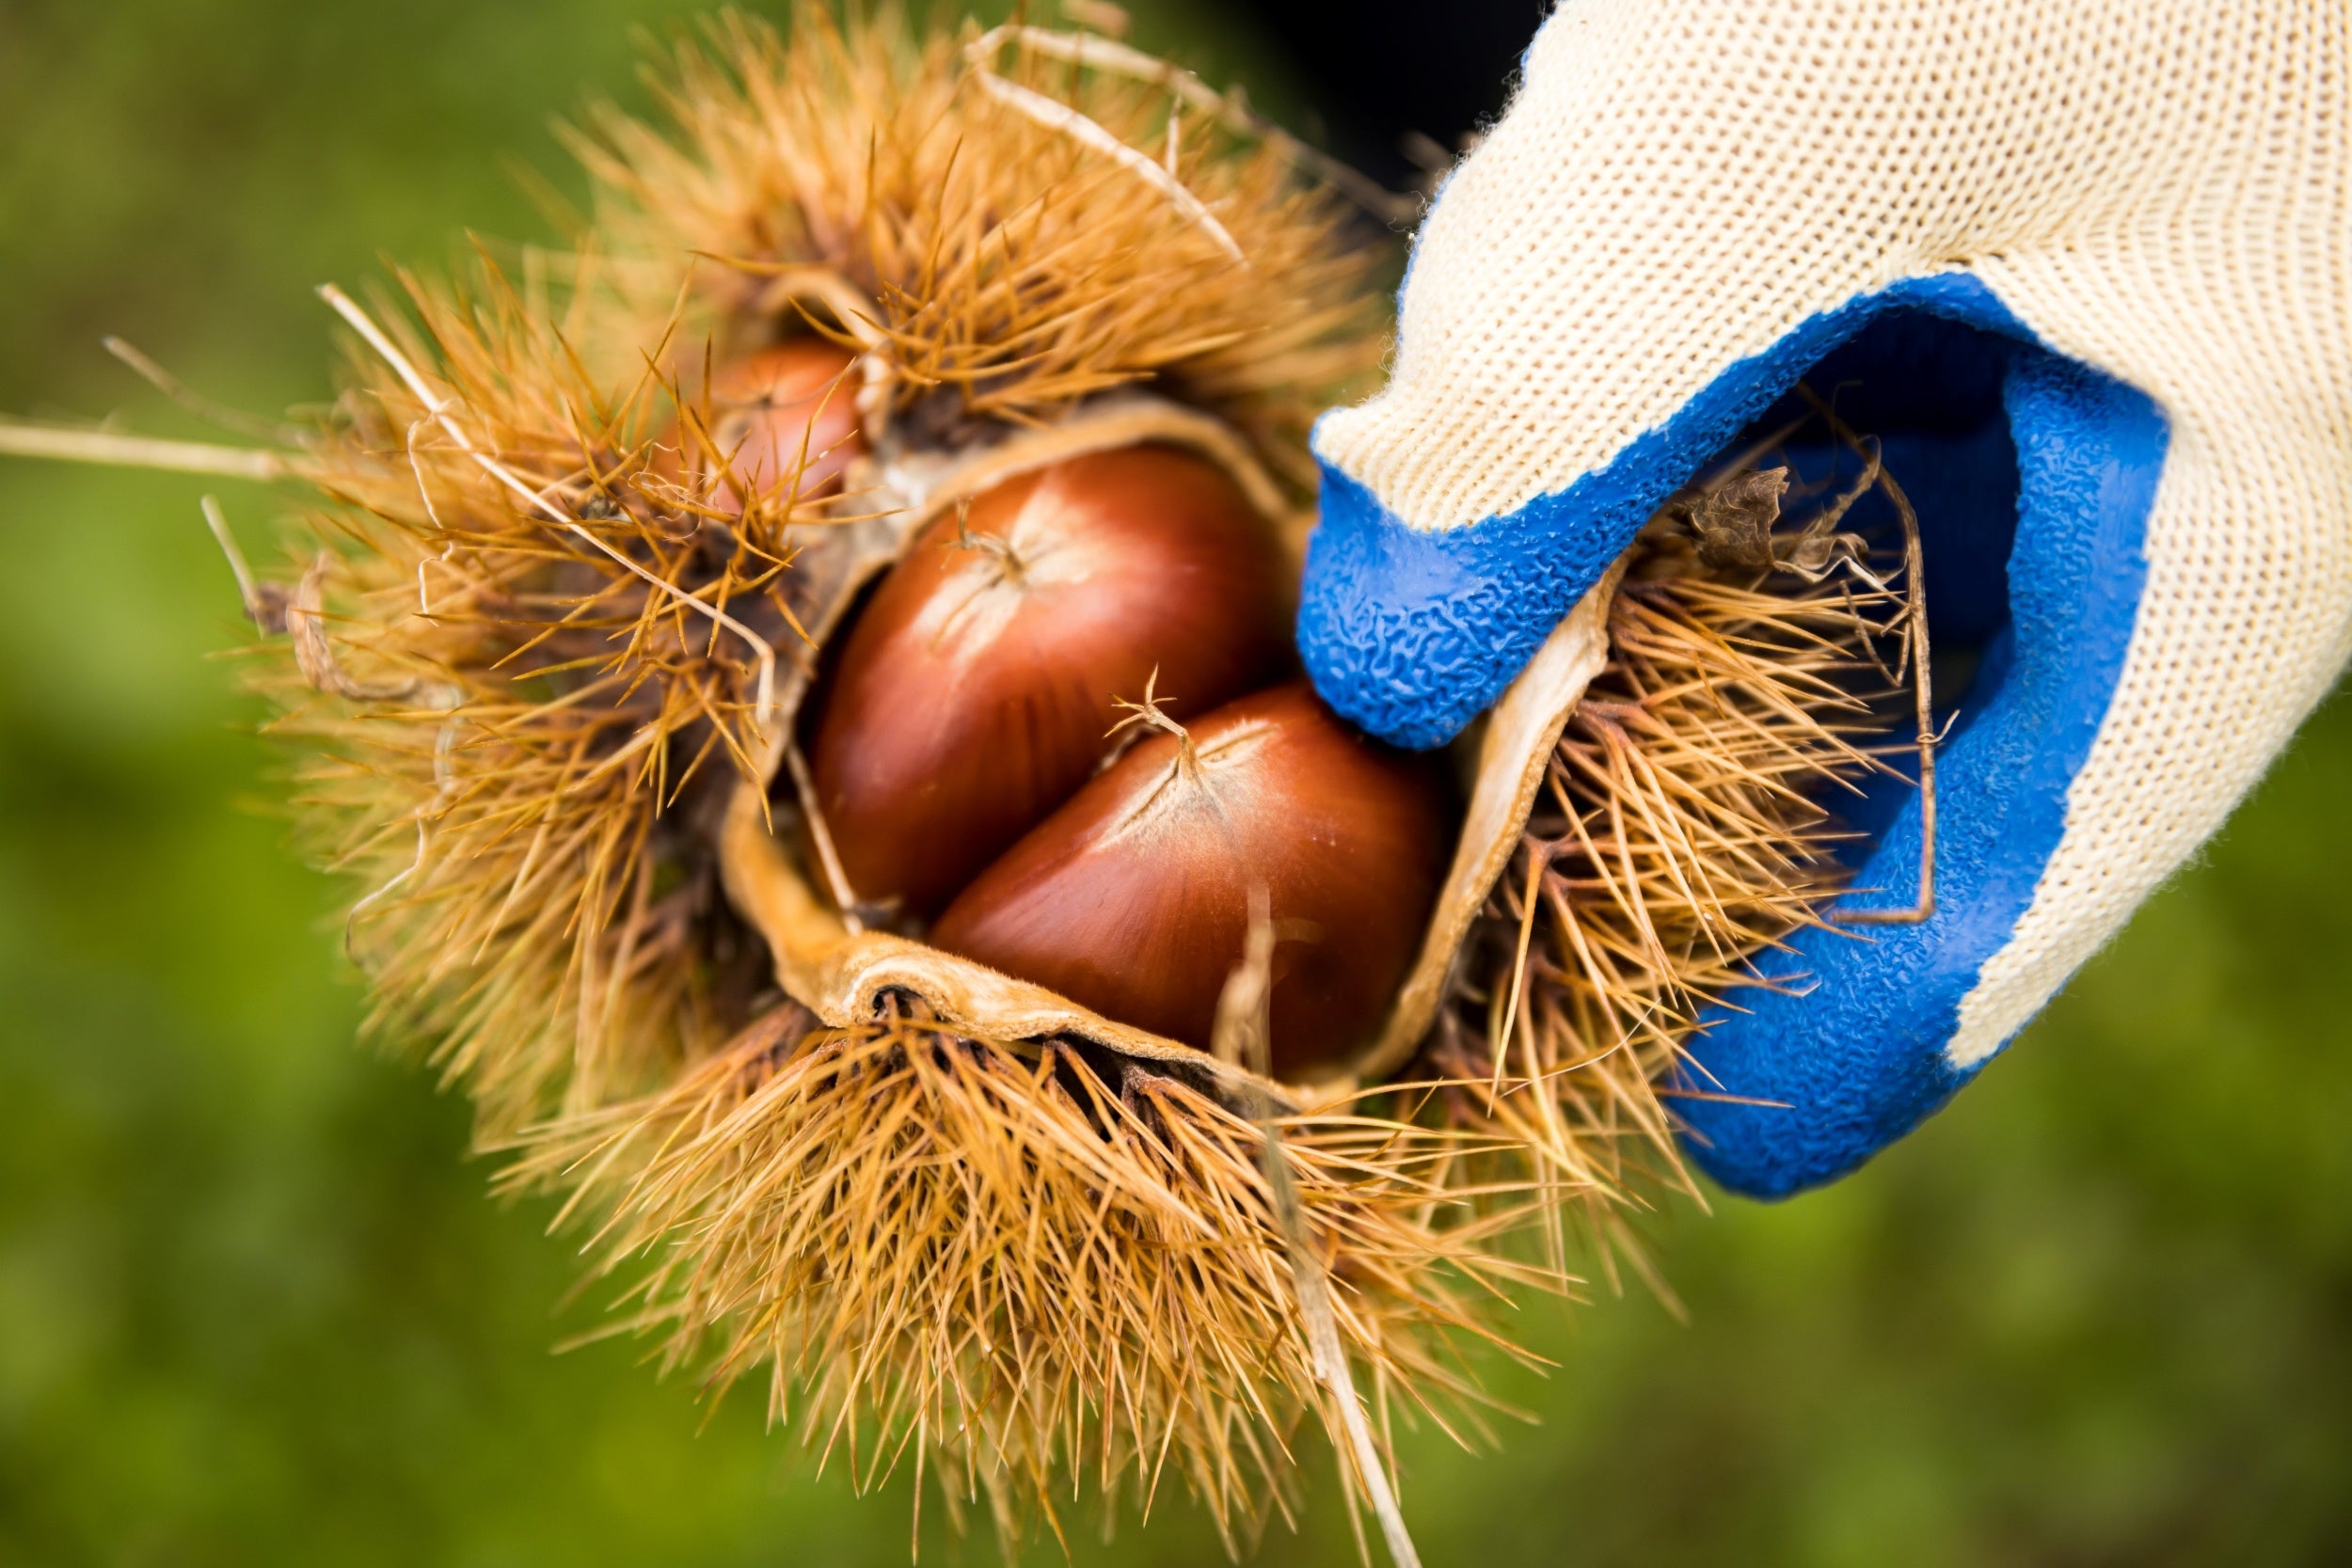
column 2093, row 258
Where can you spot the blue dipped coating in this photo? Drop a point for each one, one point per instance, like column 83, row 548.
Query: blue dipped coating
column 1412, row 633
column 1855, row 1049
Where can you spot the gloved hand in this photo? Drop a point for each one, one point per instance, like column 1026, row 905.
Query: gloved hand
column 2093, row 261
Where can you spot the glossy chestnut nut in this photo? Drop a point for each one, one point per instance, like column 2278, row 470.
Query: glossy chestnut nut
column 1134, row 898
column 768, row 413
column 974, row 692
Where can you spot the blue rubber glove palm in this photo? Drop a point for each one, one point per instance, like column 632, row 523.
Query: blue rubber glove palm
column 2088, row 267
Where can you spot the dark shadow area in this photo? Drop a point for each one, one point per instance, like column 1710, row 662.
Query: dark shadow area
column 1378, row 69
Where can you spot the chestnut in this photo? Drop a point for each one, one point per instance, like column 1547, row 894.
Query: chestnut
column 975, row 690
column 1134, row 898
column 765, row 410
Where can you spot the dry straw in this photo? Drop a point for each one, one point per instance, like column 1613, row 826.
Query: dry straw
column 532, row 650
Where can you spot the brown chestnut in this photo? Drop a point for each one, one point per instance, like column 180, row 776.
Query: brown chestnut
column 974, row 692
column 772, row 411
column 1134, row 898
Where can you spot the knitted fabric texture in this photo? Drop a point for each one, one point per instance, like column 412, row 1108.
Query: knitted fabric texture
column 2156, row 189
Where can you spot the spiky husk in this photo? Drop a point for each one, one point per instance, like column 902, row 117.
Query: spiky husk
column 1031, row 1258
column 1008, row 1260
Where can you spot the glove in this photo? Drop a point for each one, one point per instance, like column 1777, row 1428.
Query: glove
column 2092, row 263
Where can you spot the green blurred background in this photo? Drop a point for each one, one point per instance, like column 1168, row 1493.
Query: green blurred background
column 255, row 1307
